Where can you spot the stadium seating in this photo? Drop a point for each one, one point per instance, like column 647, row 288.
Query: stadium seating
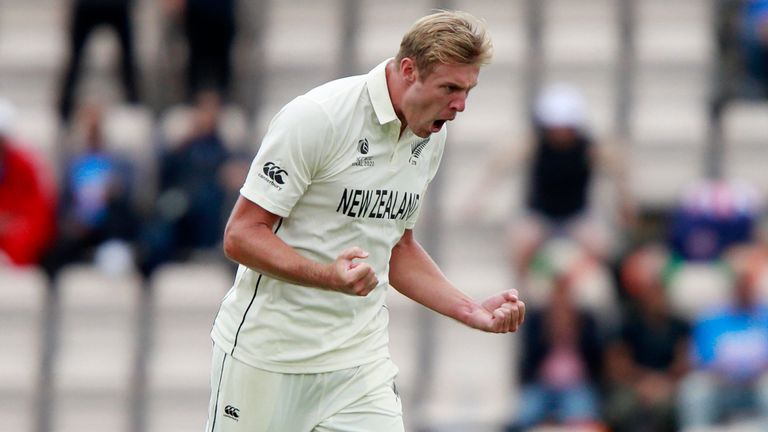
column 38, row 129
column 185, row 298
column 96, row 349
column 98, row 344
column 23, row 307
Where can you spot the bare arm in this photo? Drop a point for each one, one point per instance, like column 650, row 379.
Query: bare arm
column 413, row 273
column 249, row 239
column 609, row 159
column 500, row 165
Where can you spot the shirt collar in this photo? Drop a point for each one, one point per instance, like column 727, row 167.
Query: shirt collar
column 379, row 93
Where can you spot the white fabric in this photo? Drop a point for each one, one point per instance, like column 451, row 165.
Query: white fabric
column 333, row 166
column 248, row 399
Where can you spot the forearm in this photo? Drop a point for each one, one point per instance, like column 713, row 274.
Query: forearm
column 249, row 239
column 260, row 249
column 612, row 163
column 414, row 274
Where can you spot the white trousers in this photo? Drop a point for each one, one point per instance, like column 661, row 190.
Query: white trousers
column 248, row 399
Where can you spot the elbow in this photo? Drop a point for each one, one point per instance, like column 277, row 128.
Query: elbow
column 230, row 244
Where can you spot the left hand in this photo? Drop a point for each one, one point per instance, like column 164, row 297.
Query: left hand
column 501, row 313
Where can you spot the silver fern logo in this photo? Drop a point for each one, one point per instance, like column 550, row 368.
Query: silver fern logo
column 416, row 149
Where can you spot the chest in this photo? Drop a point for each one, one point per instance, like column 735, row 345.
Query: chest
column 377, row 175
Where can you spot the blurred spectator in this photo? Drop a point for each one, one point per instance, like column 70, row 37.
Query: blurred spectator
column 714, row 215
column 590, row 282
column 27, row 199
column 730, row 353
column 209, row 30
column 563, row 162
column 87, row 16
column 560, row 365
column 97, row 207
column 645, row 362
column 755, row 36
column 188, row 215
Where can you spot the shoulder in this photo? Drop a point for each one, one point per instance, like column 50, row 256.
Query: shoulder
column 327, row 103
column 338, row 96
column 304, row 108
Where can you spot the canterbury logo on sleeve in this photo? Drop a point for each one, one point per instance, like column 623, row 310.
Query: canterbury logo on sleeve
column 273, row 175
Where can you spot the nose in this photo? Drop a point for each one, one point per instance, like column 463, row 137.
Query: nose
column 458, row 103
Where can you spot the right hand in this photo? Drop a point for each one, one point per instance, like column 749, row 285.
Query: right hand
column 351, row 277
column 502, row 313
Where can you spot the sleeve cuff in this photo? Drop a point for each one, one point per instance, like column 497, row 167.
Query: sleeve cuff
column 265, row 203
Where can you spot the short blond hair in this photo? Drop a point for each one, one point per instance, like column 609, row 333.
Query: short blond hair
column 447, row 37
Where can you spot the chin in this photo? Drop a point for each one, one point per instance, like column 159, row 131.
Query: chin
column 421, row 133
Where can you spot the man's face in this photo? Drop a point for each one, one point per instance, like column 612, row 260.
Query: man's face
column 432, row 100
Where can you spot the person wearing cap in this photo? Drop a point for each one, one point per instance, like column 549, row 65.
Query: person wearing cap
column 563, row 159
column 27, row 199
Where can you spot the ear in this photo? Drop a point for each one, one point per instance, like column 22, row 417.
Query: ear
column 408, row 70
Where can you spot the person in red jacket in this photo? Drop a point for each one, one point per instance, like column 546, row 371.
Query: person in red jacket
column 27, row 201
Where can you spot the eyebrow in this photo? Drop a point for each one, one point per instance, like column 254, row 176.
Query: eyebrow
column 459, row 85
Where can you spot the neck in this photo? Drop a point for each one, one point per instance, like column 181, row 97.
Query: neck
column 396, row 86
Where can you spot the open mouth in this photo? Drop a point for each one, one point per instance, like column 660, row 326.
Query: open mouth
column 437, row 125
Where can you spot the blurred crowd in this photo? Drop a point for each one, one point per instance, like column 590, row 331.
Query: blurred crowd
column 631, row 331
column 627, row 331
column 101, row 204
column 106, row 206
column 631, row 328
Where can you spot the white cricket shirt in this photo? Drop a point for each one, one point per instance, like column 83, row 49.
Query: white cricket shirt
column 333, row 166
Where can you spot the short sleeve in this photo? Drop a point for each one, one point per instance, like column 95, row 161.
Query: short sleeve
column 434, row 164
column 290, row 156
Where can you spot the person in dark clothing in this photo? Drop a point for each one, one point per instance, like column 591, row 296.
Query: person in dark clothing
column 563, row 160
column 209, row 30
column 87, row 16
column 561, row 364
column 188, row 216
column 564, row 164
column 561, row 174
column 647, row 358
column 194, row 169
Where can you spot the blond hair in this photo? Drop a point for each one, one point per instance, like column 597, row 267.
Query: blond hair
column 447, row 37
